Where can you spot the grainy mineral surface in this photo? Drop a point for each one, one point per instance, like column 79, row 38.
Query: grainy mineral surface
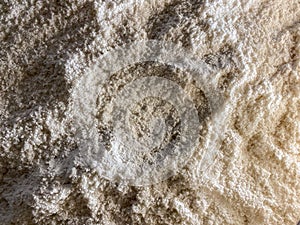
column 251, row 49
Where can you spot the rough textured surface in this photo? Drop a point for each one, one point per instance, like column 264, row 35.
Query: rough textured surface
column 252, row 47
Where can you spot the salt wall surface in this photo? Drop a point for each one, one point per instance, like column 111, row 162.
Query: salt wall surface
column 61, row 121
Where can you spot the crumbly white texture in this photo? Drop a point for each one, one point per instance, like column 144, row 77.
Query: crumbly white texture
column 46, row 47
